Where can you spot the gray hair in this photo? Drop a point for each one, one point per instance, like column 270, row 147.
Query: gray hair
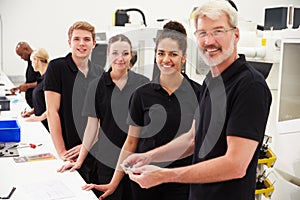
column 214, row 10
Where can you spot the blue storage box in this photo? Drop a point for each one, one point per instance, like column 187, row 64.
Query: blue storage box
column 9, row 131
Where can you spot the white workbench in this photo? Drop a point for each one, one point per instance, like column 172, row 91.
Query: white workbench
column 38, row 179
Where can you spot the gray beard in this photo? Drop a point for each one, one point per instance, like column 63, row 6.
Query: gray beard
column 214, row 62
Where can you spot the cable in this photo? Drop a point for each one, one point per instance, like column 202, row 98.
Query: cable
column 138, row 10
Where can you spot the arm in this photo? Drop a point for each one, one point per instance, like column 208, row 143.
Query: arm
column 34, row 118
column 52, row 107
column 89, row 139
column 178, row 148
column 27, row 113
column 128, row 148
column 232, row 165
column 24, row 87
column 42, row 116
column 31, row 85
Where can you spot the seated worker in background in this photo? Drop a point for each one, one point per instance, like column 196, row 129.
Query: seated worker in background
column 24, row 51
column 40, row 60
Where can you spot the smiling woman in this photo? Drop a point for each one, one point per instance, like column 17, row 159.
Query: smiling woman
column 156, row 112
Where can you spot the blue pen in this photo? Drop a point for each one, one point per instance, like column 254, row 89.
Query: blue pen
column 24, row 111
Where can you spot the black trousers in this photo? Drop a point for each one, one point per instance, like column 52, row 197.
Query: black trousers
column 104, row 175
column 88, row 170
column 168, row 191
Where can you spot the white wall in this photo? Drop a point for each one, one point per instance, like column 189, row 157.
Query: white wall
column 45, row 23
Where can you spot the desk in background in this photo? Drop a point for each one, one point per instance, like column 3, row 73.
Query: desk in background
column 38, row 179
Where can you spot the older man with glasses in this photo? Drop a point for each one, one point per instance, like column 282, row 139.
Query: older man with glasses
column 229, row 126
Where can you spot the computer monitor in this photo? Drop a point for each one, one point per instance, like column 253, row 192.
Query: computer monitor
column 288, row 108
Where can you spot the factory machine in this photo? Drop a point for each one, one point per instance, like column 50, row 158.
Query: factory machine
column 276, row 49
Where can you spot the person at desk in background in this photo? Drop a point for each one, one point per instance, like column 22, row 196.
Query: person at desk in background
column 106, row 105
column 229, row 126
column 66, row 82
column 24, row 51
column 159, row 112
column 40, row 61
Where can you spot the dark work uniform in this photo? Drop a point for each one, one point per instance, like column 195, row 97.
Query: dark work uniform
column 30, row 77
column 237, row 103
column 38, row 100
column 63, row 77
column 163, row 117
column 111, row 108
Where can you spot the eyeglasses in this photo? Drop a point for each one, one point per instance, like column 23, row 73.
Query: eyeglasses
column 216, row 33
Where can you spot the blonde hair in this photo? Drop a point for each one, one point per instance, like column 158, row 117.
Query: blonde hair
column 41, row 54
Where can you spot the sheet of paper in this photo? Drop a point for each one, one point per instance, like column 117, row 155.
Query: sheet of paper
column 48, row 190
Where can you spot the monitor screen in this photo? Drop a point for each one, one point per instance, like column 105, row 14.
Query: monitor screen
column 288, row 116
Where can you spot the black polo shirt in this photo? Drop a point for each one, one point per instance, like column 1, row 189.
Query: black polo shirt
column 30, row 77
column 38, row 99
column 163, row 116
column 63, row 77
column 237, row 103
column 109, row 104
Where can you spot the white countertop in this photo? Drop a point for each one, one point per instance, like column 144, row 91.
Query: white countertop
column 38, row 179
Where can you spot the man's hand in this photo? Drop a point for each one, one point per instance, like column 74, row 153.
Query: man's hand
column 137, row 160
column 73, row 153
column 14, row 90
column 21, row 88
column 147, row 176
column 71, row 165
